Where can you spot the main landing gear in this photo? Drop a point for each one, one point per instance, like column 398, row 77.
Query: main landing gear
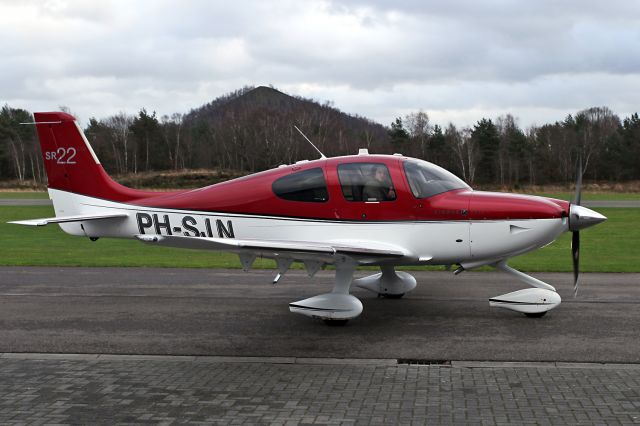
column 338, row 307
column 388, row 283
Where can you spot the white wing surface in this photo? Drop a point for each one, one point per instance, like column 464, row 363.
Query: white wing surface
column 362, row 252
column 68, row 219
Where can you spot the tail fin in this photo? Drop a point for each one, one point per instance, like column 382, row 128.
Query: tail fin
column 71, row 163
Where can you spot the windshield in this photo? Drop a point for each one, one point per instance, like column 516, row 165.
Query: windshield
column 426, row 179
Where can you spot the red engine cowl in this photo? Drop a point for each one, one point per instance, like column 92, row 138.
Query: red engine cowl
column 499, row 206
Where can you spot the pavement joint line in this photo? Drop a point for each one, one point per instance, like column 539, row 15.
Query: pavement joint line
column 543, row 364
column 315, row 361
column 347, row 361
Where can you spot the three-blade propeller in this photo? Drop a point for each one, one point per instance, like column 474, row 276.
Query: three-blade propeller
column 579, row 218
column 575, row 238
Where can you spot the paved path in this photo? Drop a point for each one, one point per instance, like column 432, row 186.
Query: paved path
column 172, row 390
column 229, row 312
column 248, row 360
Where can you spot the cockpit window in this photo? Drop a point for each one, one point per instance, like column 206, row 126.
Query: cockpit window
column 426, row 179
column 369, row 182
column 307, row 185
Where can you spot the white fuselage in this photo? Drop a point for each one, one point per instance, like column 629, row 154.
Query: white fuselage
column 470, row 243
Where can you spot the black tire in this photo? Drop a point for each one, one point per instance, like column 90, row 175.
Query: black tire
column 391, row 296
column 536, row 314
column 336, row 322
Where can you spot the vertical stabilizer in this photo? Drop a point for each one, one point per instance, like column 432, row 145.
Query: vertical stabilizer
column 72, row 165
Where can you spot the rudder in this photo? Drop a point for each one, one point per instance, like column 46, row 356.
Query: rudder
column 70, row 162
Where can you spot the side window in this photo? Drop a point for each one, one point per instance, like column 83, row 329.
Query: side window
column 308, row 185
column 366, row 182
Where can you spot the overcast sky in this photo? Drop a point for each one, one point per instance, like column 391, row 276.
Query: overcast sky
column 458, row 61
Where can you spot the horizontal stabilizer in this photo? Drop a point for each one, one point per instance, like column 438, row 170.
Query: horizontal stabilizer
column 67, row 219
column 273, row 248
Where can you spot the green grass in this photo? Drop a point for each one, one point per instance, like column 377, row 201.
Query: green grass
column 594, row 196
column 613, row 246
column 23, row 195
column 50, row 246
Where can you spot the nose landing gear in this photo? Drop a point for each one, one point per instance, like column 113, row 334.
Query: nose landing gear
column 533, row 302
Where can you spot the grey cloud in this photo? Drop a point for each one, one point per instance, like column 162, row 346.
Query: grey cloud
column 374, row 58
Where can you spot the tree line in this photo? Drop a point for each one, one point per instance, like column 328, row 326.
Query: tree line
column 501, row 153
column 252, row 130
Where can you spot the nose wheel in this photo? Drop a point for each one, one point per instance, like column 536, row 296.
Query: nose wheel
column 335, row 323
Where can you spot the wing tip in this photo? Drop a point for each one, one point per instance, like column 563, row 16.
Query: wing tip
column 30, row 222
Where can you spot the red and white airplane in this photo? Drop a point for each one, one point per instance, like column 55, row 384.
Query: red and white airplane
column 383, row 210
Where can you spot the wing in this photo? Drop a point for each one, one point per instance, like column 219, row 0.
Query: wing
column 361, row 252
column 68, row 219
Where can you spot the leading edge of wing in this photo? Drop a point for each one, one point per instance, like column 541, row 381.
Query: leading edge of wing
column 68, row 219
column 309, row 247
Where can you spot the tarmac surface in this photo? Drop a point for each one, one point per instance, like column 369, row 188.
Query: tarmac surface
column 233, row 313
column 163, row 346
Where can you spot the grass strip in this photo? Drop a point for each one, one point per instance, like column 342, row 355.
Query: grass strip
column 613, row 246
column 23, row 195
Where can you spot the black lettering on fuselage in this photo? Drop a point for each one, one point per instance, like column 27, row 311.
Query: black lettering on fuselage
column 158, row 225
column 207, row 224
column 144, row 222
column 188, row 223
column 225, row 232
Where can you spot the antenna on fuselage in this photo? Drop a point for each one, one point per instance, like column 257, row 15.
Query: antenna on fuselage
column 322, row 156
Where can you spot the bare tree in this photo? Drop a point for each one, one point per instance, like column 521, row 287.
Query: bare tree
column 176, row 119
column 17, row 154
column 419, row 129
column 530, row 153
column 466, row 150
column 20, row 139
column 119, row 126
column 472, row 151
column 511, row 149
column 595, row 125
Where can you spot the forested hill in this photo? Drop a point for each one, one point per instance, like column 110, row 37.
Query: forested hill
column 252, row 129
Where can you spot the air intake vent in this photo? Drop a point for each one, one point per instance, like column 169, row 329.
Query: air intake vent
column 515, row 229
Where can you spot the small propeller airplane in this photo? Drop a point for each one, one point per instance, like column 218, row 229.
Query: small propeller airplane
column 383, row 210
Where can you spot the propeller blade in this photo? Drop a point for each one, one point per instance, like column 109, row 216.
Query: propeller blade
column 578, row 196
column 575, row 239
column 575, row 253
